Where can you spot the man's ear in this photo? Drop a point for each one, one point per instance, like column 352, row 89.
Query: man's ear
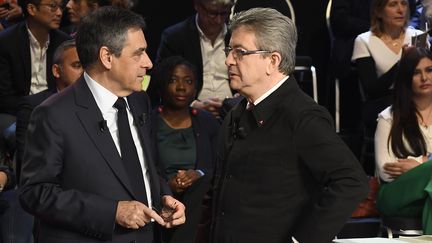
column 31, row 9
column 56, row 70
column 275, row 60
column 93, row 6
column 105, row 57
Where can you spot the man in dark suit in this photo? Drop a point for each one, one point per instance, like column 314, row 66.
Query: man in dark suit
column 15, row 223
column 66, row 69
column 282, row 171
column 89, row 173
column 200, row 39
column 26, row 50
column 17, row 55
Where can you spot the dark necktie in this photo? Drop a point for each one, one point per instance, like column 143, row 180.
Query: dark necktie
column 129, row 153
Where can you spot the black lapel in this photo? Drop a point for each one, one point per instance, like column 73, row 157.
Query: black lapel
column 25, row 53
column 91, row 118
column 140, row 109
column 266, row 108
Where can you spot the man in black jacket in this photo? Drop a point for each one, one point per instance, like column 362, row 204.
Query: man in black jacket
column 201, row 39
column 282, row 171
column 26, row 51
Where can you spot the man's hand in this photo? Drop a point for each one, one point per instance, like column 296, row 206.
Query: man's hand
column 211, row 105
column 13, row 12
column 3, row 13
column 176, row 210
column 134, row 214
column 395, row 169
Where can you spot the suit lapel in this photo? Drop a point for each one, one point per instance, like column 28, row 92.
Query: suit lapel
column 193, row 49
column 264, row 110
column 25, row 53
column 91, row 119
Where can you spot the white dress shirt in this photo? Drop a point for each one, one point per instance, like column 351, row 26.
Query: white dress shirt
column 269, row 92
column 384, row 153
column 38, row 56
column 215, row 72
column 105, row 101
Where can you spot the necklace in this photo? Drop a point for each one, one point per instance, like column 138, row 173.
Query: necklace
column 425, row 120
column 393, row 42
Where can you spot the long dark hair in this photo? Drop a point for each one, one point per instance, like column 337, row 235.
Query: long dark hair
column 405, row 124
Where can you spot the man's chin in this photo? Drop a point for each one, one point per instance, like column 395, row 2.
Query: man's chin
column 235, row 85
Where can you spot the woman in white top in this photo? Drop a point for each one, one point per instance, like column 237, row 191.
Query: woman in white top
column 377, row 52
column 403, row 141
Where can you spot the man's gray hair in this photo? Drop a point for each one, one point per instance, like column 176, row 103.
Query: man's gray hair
column 58, row 54
column 273, row 31
column 217, row 2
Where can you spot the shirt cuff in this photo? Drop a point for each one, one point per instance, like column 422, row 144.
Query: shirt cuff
column 418, row 159
column 192, row 103
column 294, row 240
column 200, row 172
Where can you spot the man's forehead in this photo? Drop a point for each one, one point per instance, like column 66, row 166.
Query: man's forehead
column 70, row 54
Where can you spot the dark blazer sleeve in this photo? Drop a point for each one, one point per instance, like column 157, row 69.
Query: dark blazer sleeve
column 206, row 129
column 41, row 193
column 374, row 86
column 8, row 93
column 25, row 107
column 333, row 166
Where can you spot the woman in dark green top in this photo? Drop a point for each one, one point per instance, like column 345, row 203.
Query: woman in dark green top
column 186, row 140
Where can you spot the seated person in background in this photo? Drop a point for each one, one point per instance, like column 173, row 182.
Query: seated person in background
column 186, row 140
column 78, row 9
column 26, row 51
column 10, row 13
column 200, row 39
column 377, row 52
column 66, row 70
column 403, row 142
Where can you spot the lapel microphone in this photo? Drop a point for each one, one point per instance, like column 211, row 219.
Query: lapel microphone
column 238, row 131
column 241, row 132
column 142, row 119
column 103, row 125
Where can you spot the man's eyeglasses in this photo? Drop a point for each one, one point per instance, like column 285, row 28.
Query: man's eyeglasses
column 238, row 53
column 214, row 14
column 53, row 6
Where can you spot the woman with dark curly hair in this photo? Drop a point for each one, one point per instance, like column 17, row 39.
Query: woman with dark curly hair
column 186, row 140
